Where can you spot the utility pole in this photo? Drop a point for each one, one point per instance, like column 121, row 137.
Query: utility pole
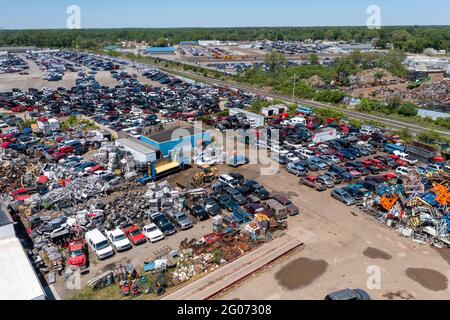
column 293, row 88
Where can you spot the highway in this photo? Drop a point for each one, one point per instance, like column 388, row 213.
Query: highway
column 391, row 124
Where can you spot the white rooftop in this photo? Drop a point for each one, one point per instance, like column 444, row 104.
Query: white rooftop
column 18, row 281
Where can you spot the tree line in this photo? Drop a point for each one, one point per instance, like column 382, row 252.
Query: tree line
column 409, row 38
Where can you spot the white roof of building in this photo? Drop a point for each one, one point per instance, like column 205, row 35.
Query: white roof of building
column 18, row 281
column 136, row 145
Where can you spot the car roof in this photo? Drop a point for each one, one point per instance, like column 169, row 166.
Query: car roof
column 345, row 294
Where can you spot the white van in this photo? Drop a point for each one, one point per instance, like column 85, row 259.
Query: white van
column 229, row 181
column 99, row 244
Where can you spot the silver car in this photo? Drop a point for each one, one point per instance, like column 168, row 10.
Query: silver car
column 343, row 196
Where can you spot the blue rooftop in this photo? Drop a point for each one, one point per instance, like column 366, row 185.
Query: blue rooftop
column 161, row 49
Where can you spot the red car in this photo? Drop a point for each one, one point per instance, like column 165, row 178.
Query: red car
column 377, row 163
column 66, row 150
column 77, row 254
column 57, row 156
column 134, row 235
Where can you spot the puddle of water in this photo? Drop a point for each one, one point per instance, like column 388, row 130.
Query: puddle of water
column 301, row 273
column 374, row 253
column 428, row 278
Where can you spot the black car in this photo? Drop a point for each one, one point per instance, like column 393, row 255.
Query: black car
column 348, row 294
column 258, row 190
column 238, row 177
column 211, row 207
column 164, row 224
column 236, row 195
column 199, row 212
column 342, row 172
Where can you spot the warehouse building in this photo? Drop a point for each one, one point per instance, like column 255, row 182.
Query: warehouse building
column 18, row 280
column 142, row 152
column 356, row 46
column 177, row 138
column 160, row 50
column 189, row 43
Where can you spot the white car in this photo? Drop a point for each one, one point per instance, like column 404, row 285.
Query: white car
column 277, row 149
column 292, row 158
column 118, row 240
column 152, row 233
column 403, row 171
column 3, row 124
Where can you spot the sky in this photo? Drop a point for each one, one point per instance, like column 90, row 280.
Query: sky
column 51, row 14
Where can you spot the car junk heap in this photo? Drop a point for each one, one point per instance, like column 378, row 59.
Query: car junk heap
column 128, row 104
column 416, row 205
column 63, row 183
column 59, row 203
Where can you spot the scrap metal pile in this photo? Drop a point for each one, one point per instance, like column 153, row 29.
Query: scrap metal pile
column 17, row 170
column 435, row 96
column 418, row 207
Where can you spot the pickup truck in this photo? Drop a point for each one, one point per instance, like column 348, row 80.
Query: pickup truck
column 312, row 183
column 180, row 219
column 406, row 157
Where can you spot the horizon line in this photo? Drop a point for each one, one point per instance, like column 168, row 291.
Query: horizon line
column 223, row 27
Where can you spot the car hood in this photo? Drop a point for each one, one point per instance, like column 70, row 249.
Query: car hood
column 78, row 261
column 154, row 234
column 106, row 250
column 122, row 243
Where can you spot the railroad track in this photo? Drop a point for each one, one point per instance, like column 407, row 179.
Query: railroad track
column 391, row 124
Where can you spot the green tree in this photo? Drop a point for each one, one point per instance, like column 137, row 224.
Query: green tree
column 408, row 109
column 275, row 60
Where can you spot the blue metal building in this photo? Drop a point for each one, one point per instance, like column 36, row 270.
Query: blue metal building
column 176, row 139
column 161, row 50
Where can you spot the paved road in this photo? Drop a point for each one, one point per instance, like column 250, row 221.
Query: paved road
column 232, row 273
column 393, row 124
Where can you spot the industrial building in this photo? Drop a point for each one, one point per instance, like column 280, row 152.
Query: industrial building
column 160, row 50
column 189, row 43
column 274, row 110
column 208, row 43
column 255, row 120
column 18, row 279
column 356, row 46
column 177, row 138
column 141, row 151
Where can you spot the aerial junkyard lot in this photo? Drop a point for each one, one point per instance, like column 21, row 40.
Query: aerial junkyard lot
column 363, row 199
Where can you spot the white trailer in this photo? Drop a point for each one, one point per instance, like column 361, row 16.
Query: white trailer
column 325, row 134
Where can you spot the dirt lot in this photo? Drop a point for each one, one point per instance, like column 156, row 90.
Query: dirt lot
column 342, row 248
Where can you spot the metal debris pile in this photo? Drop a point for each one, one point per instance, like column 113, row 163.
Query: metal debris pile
column 418, row 208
